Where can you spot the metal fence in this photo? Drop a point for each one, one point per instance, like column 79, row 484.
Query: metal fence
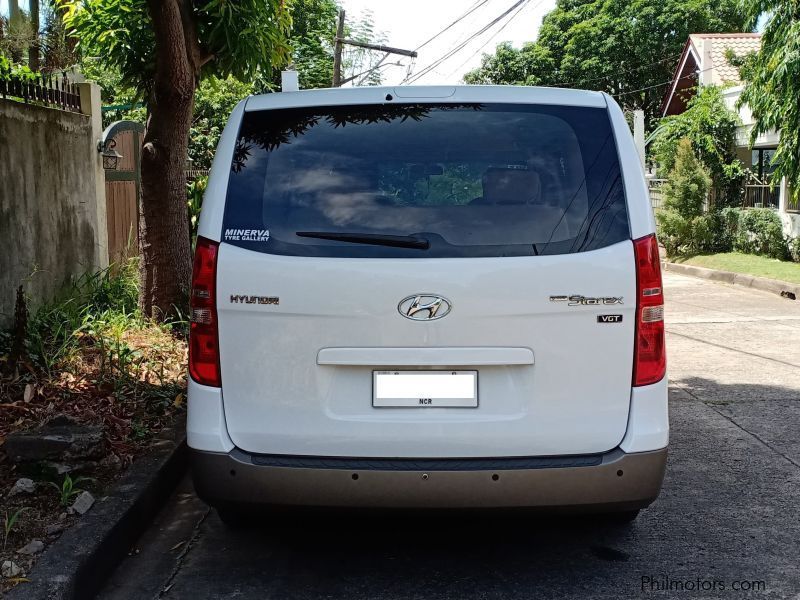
column 57, row 92
column 656, row 187
column 192, row 174
column 760, row 196
column 755, row 195
column 792, row 202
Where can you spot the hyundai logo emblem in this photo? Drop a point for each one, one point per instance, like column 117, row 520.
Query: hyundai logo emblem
column 424, row 307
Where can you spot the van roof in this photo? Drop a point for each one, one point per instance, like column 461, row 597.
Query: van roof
column 422, row 93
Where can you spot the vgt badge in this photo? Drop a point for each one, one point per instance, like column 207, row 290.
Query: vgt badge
column 424, row 307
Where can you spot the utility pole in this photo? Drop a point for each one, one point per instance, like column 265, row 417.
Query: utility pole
column 340, row 42
column 337, row 51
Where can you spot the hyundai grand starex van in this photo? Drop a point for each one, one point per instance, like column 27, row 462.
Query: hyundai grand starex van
column 428, row 297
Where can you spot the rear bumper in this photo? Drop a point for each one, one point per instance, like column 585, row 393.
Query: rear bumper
column 612, row 481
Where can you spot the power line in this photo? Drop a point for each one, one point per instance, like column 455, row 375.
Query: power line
column 639, row 68
column 470, row 10
column 461, row 46
column 650, row 87
column 498, row 32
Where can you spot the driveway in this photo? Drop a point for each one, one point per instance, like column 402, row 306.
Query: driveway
column 726, row 523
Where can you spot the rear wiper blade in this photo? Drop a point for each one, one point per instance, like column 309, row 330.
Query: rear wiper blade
column 376, row 239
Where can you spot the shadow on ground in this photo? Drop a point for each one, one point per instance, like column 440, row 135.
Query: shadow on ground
column 726, row 515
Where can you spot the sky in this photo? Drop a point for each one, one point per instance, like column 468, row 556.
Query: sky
column 409, row 23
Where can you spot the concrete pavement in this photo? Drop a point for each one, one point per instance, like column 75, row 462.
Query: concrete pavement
column 727, row 516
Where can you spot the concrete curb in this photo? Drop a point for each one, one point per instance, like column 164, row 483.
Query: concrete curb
column 79, row 562
column 774, row 286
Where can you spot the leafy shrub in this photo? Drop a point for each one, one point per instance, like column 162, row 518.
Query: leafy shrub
column 686, row 191
column 682, row 228
column 108, row 296
column 674, row 231
column 711, row 126
column 728, row 226
column 794, row 249
column 702, row 232
column 760, row 231
column 194, row 198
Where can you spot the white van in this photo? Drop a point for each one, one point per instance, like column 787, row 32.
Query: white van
column 428, row 297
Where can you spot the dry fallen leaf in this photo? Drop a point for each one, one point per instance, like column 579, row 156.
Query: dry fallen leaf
column 178, row 400
column 28, row 394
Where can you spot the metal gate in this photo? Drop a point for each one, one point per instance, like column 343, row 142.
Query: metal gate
column 121, row 146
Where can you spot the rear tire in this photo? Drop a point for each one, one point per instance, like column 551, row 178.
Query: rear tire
column 235, row 519
column 623, row 517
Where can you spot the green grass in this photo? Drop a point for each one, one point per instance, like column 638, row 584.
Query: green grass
column 749, row 264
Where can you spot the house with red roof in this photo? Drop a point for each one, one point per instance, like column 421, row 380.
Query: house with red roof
column 704, row 61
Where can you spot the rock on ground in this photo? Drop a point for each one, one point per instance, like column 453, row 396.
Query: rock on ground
column 9, row 569
column 55, row 528
column 60, row 439
column 83, row 503
column 23, row 486
column 31, row 548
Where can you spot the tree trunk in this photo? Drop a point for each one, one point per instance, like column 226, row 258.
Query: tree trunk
column 166, row 261
column 33, row 51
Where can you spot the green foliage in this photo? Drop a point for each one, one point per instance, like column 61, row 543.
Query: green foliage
column 5, row 68
column 727, row 228
column 113, row 91
column 682, row 226
column 67, row 490
column 312, row 34
column 617, row 46
column 10, row 70
column 688, row 185
column 359, row 63
column 238, row 37
column 194, row 192
column 214, row 101
column 674, row 232
column 711, row 127
column 760, row 231
column 772, row 83
column 17, row 35
column 703, row 234
column 94, row 301
column 9, row 520
column 794, row 249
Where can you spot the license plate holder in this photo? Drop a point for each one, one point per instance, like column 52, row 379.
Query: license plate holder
column 425, row 389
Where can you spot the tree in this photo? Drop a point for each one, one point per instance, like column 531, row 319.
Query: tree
column 313, row 31
column 772, row 83
column 164, row 48
column 628, row 48
column 214, row 101
column 711, row 127
column 312, row 39
column 681, row 223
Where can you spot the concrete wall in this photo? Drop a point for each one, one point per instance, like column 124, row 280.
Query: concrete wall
column 791, row 224
column 52, row 201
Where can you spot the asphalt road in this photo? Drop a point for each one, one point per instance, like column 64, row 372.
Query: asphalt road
column 727, row 517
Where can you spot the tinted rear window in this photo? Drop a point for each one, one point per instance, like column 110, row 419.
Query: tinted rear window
column 470, row 180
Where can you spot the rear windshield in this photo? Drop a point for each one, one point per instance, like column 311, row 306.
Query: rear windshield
column 425, row 181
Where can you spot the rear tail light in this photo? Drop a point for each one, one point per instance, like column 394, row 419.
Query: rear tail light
column 203, row 334
column 650, row 357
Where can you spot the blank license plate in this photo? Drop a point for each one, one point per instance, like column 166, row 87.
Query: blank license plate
column 425, row 389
